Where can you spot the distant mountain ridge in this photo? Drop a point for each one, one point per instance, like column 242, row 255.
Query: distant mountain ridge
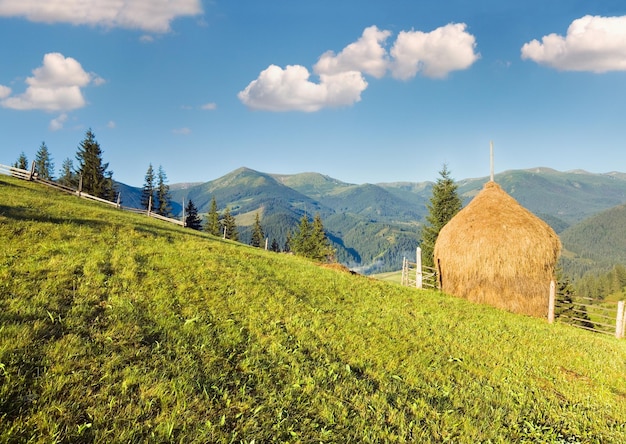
column 373, row 226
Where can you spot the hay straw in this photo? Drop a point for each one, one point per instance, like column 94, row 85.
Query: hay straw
column 495, row 251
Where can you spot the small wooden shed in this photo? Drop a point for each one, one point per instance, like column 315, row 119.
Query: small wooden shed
column 494, row 251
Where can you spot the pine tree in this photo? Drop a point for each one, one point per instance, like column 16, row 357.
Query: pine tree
column 191, row 216
column 43, row 163
column 22, row 162
column 163, row 194
column 212, row 225
column 310, row 240
column 258, row 237
column 147, row 193
column 566, row 305
column 274, row 246
column 96, row 180
column 444, row 205
column 229, row 226
column 68, row 177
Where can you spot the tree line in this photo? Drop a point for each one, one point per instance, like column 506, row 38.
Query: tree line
column 93, row 177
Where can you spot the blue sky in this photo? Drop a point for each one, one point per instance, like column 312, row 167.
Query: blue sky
column 365, row 92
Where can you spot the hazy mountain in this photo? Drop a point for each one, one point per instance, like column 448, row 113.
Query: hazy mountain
column 375, row 225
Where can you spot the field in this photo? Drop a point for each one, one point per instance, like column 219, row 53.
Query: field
column 118, row 328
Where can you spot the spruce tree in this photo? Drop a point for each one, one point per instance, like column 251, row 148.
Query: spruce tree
column 229, row 226
column 212, row 225
column 96, row 180
column 43, row 163
column 310, row 240
column 163, row 194
column 147, row 193
column 68, row 177
column 444, row 205
column 191, row 216
column 274, row 246
column 258, row 237
column 22, row 162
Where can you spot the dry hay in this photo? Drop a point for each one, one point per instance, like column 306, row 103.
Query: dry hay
column 494, row 251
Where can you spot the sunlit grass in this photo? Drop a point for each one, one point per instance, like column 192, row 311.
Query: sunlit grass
column 118, row 328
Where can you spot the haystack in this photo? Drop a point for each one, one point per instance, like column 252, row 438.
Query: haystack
column 494, row 251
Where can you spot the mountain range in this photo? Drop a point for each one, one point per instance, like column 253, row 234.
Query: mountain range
column 373, row 226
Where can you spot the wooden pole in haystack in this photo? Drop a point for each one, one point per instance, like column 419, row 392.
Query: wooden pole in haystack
column 491, row 159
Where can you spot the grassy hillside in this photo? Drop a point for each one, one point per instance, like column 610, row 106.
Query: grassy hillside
column 118, row 328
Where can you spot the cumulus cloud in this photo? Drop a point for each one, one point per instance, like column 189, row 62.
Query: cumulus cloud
column 341, row 76
column 54, row 86
column 290, row 89
column 57, row 124
column 145, row 15
column 5, row 91
column 592, row 43
column 433, row 54
column 366, row 55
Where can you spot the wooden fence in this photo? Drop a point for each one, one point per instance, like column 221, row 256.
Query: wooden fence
column 33, row 176
column 607, row 317
column 414, row 274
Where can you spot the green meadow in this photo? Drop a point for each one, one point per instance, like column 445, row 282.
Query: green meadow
column 115, row 327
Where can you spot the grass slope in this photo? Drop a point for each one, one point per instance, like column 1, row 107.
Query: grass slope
column 118, row 328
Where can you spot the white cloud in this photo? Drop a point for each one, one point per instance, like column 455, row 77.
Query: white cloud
column 5, row 91
column 54, row 86
column 592, row 43
column 57, row 124
column 341, row 82
column 366, row 55
column 146, row 15
column 111, row 124
column 182, row 131
column 146, row 39
column 209, row 106
column 434, row 54
column 290, row 89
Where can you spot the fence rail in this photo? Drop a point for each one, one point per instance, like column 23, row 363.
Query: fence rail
column 33, row 176
column 414, row 274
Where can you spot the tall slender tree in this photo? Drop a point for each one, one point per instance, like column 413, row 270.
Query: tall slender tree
column 67, row 177
column 192, row 220
column 163, row 206
column 21, row 162
column 444, row 205
column 229, row 226
column 257, row 232
column 212, row 225
column 310, row 240
column 43, row 163
column 147, row 193
column 96, row 180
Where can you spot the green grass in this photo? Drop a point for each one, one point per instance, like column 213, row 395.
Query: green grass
column 118, row 328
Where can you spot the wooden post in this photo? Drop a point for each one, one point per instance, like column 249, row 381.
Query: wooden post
column 491, row 160
column 184, row 221
column 119, row 199
column 266, row 241
column 419, row 276
column 80, row 184
column 32, row 171
column 403, row 271
column 619, row 322
column 150, row 204
column 552, row 302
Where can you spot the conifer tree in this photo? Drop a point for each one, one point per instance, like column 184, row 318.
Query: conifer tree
column 258, row 236
column 229, row 226
column 212, row 225
column 43, row 163
column 22, row 162
column 96, row 180
column 444, row 205
column 163, row 194
column 191, row 216
column 148, row 189
column 310, row 240
column 68, row 177
column 274, row 246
